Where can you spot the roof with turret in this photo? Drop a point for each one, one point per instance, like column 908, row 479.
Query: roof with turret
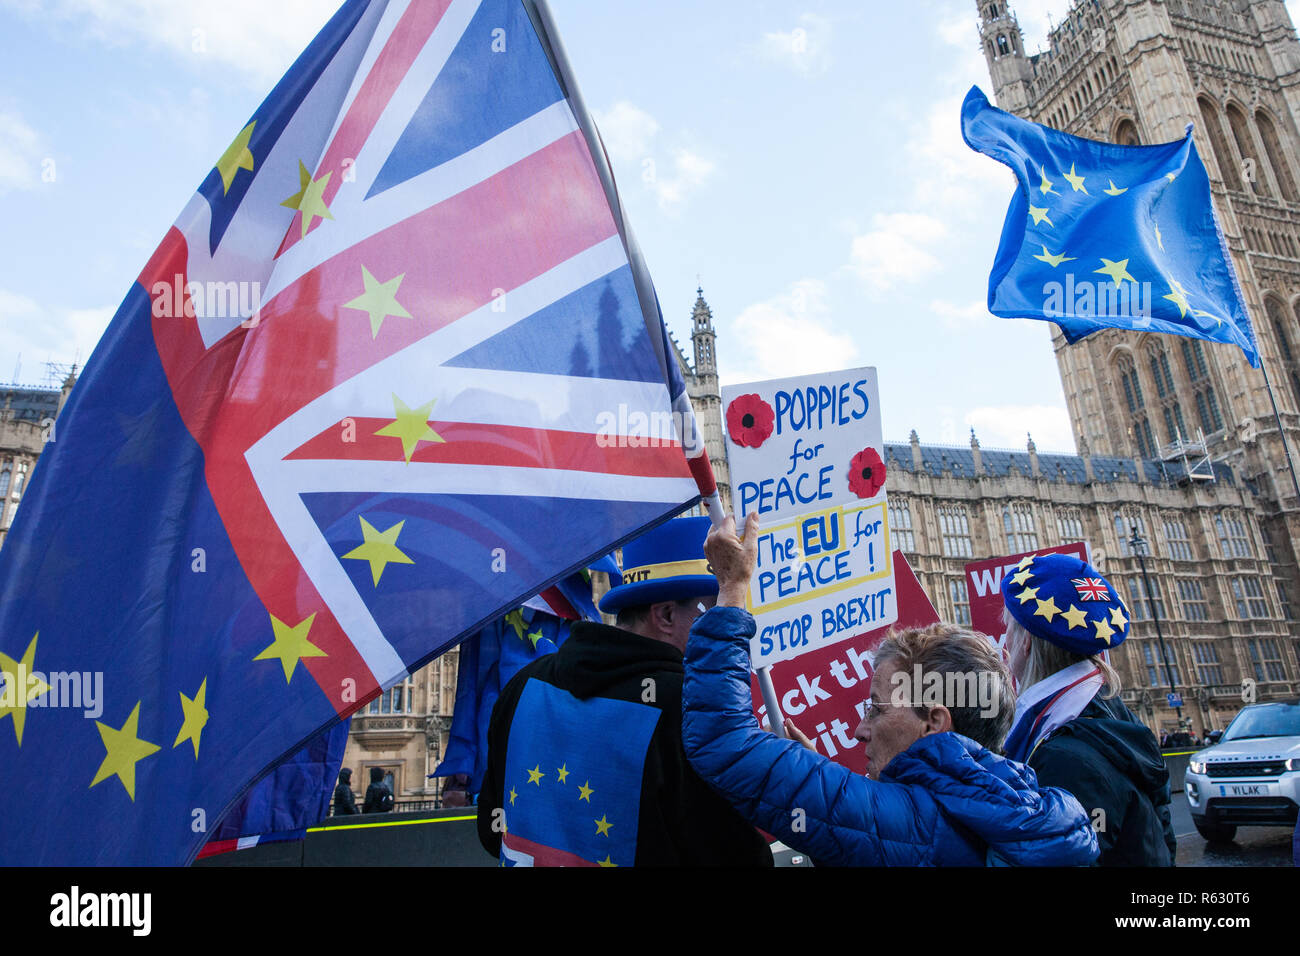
column 26, row 403
column 959, row 462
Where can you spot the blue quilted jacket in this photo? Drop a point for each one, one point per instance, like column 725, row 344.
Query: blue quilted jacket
column 945, row 801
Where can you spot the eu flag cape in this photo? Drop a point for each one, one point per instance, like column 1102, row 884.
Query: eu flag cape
column 364, row 398
column 1104, row 236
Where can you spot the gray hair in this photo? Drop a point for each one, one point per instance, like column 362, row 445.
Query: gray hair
column 1042, row 658
column 959, row 657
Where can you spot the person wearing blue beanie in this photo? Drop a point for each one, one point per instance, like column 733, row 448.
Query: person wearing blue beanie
column 1071, row 727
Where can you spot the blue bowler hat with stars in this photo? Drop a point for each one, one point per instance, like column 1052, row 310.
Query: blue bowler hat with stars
column 1065, row 601
column 664, row 564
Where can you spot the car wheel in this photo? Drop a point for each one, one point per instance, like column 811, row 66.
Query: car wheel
column 1216, row 834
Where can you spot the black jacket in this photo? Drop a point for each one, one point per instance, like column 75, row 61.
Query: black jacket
column 680, row 820
column 344, row 801
column 379, row 799
column 1111, row 762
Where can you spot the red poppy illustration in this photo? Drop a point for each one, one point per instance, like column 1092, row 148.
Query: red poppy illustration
column 866, row 474
column 750, row 420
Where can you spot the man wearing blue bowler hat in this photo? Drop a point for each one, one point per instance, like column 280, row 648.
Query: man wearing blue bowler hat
column 585, row 759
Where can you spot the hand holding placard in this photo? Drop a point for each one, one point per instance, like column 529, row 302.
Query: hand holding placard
column 732, row 558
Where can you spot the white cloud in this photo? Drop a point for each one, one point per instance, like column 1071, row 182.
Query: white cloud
column 20, row 158
column 630, row 135
column 789, row 334
column 960, row 317
column 259, row 39
column 804, row 48
column 627, row 131
column 1008, row 426
column 894, row 250
column 40, row 334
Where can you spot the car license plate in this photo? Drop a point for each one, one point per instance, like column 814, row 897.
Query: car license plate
column 1243, row 790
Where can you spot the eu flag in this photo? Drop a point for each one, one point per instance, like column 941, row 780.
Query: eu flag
column 488, row 661
column 1102, row 236
column 355, row 406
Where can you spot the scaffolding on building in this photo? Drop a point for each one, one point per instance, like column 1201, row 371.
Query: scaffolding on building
column 1194, row 455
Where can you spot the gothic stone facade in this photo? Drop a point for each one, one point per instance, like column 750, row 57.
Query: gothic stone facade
column 1222, row 616
column 1138, row 71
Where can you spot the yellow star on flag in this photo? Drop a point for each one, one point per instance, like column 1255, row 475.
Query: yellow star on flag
column 1028, row 594
column 18, row 692
column 585, row 792
column 563, row 772
column 1104, row 630
column 602, row 826
column 512, row 796
column 1171, row 176
column 1076, row 182
column 1023, row 576
column 290, row 645
column 379, row 301
column 310, row 198
column 1025, row 562
column 1117, row 271
column 607, row 862
column 411, row 426
column 516, row 620
column 535, row 775
column 196, row 718
column 236, row 157
column 1206, row 315
column 123, row 749
column 1178, row 296
column 1040, row 215
column 1076, row 616
column 1114, row 190
column 1052, row 260
column 379, row 548
column 1118, row 619
column 1159, row 240
column 535, row 637
column 1047, row 609
column 1045, row 186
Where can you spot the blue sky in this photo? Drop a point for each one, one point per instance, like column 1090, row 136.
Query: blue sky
column 802, row 158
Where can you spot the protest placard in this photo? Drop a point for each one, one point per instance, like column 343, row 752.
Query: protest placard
column 823, row 691
column 984, row 586
column 805, row 456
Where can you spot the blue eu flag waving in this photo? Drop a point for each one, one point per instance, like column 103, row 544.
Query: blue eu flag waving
column 1102, row 236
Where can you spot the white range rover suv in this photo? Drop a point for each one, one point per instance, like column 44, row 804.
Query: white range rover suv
column 1251, row 777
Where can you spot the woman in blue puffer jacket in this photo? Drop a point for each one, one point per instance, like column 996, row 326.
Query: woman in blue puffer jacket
column 934, row 794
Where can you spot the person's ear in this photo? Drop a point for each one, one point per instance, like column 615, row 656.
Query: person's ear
column 661, row 616
column 938, row 720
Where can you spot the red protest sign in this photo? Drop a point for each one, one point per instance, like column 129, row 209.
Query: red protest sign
column 823, row 690
column 984, row 586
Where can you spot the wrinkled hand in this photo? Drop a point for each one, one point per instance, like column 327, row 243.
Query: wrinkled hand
column 733, row 559
column 794, row 733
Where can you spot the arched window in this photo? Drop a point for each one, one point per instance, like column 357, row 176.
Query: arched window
column 1004, row 48
column 1222, row 153
column 1018, row 524
column 1277, row 160
column 5, row 475
column 1246, row 149
column 1126, row 134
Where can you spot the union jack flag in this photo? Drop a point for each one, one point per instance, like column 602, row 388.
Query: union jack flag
column 1091, row 589
column 379, row 384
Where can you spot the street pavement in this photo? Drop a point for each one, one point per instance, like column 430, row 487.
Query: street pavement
column 1253, row 846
